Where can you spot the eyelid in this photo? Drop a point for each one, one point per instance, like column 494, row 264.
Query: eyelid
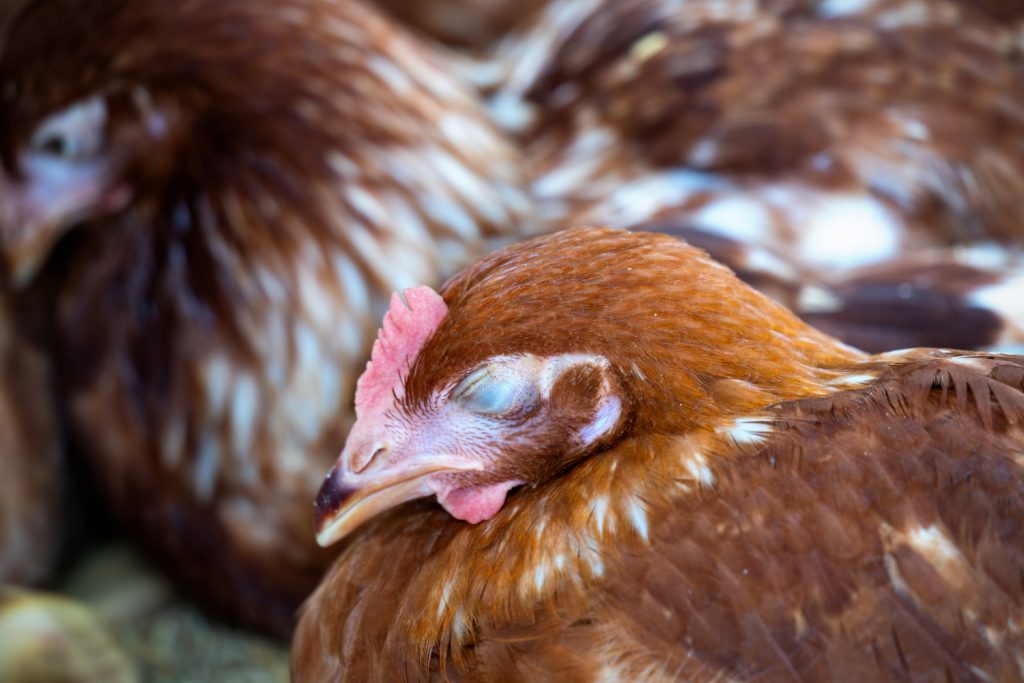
column 467, row 385
column 515, row 392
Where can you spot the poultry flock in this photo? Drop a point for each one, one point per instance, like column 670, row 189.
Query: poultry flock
column 206, row 206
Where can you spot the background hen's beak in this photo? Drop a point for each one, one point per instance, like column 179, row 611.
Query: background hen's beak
column 37, row 210
column 25, row 241
column 24, row 254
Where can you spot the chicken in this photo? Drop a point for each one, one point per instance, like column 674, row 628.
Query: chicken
column 645, row 470
column 33, row 478
column 214, row 198
column 842, row 135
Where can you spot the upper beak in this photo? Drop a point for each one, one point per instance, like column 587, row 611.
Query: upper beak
column 24, row 242
column 346, row 500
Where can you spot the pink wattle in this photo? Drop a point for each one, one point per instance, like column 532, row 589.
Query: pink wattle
column 475, row 504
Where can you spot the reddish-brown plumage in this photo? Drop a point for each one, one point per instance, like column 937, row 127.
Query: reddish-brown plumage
column 770, row 503
column 232, row 188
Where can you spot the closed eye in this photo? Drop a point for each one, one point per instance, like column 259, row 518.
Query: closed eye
column 483, row 393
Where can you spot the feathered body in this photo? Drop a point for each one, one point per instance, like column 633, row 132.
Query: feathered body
column 819, row 137
column 759, row 502
column 234, row 186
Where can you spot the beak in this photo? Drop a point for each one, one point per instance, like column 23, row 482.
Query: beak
column 343, row 503
column 24, row 241
column 24, row 254
column 340, row 508
column 35, row 213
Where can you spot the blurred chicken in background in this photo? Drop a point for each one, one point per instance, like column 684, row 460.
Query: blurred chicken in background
column 212, row 200
column 862, row 161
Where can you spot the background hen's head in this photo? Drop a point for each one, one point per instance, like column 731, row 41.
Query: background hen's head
column 93, row 116
column 228, row 189
column 545, row 352
column 150, row 106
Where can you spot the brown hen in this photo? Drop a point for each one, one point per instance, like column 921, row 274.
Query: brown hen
column 666, row 476
column 214, row 196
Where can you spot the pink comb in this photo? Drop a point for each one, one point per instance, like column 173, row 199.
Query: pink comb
column 407, row 326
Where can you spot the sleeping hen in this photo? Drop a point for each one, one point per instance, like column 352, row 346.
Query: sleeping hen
column 214, row 197
column 809, row 139
column 648, row 471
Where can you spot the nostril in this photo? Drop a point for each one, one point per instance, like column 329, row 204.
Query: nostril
column 360, row 462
